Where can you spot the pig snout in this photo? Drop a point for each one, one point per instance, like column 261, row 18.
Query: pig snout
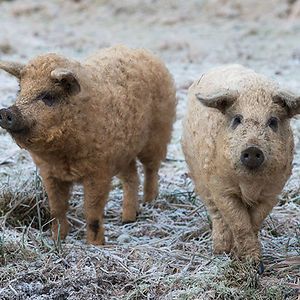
column 11, row 119
column 252, row 157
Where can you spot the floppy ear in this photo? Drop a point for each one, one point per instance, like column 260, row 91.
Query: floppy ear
column 67, row 80
column 220, row 100
column 289, row 101
column 12, row 68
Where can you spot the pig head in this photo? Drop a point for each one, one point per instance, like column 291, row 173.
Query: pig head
column 40, row 115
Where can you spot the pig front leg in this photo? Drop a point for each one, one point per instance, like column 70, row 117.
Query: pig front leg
column 238, row 219
column 260, row 211
column 221, row 233
column 58, row 193
column 96, row 190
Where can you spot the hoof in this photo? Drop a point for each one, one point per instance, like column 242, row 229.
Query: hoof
column 124, row 222
column 95, row 233
column 130, row 220
column 150, row 197
column 100, row 242
column 127, row 222
column 261, row 268
column 60, row 231
column 222, row 248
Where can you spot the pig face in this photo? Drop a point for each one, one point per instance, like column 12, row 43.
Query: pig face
column 256, row 137
column 42, row 112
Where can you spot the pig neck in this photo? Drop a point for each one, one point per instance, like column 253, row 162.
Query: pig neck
column 55, row 157
column 251, row 190
column 64, row 148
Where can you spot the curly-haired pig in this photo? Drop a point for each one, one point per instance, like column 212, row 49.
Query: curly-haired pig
column 238, row 145
column 88, row 121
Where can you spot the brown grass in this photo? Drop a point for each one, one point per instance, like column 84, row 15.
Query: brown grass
column 26, row 206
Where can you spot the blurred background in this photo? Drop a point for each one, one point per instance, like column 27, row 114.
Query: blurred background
column 186, row 34
column 190, row 36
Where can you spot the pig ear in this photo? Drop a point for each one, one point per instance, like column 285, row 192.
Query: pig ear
column 220, row 100
column 67, row 80
column 12, row 68
column 289, row 101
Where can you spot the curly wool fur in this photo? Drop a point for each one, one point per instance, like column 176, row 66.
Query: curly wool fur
column 124, row 111
column 237, row 199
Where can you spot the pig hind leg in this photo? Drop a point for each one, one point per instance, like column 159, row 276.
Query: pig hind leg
column 155, row 149
column 130, row 182
column 151, row 180
column 151, row 158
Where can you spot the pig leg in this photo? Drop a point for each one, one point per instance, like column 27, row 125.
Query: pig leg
column 130, row 181
column 151, row 181
column 259, row 212
column 151, row 167
column 221, row 233
column 151, row 156
column 237, row 217
column 96, row 190
column 58, row 194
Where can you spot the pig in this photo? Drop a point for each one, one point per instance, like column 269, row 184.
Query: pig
column 86, row 122
column 238, row 146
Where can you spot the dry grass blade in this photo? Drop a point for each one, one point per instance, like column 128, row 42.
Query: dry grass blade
column 25, row 206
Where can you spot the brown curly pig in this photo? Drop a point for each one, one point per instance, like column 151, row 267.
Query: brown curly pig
column 238, row 145
column 88, row 121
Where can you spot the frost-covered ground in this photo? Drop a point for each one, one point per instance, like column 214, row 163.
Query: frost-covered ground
column 166, row 254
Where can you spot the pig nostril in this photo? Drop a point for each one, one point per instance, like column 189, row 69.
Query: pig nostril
column 11, row 119
column 246, row 155
column 257, row 155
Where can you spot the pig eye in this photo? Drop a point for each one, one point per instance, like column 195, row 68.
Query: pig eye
column 273, row 123
column 47, row 98
column 236, row 121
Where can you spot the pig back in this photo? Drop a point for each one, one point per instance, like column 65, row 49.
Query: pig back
column 127, row 94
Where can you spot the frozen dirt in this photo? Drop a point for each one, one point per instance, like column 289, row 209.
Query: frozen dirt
column 167, row 253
